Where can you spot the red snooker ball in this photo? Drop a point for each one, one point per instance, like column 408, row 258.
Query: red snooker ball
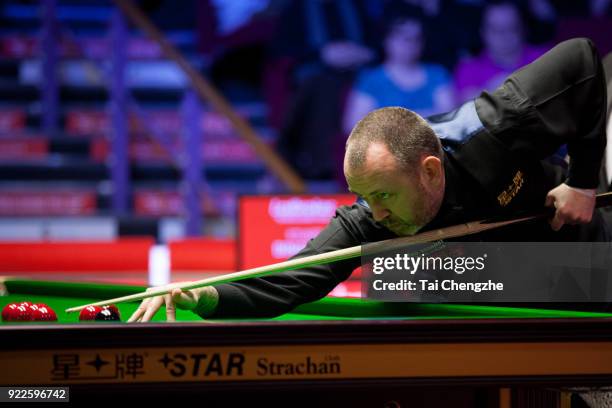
column 112, row 307
column 43, row 313
column 89, row 313
column 16, row 312
column 7, row 311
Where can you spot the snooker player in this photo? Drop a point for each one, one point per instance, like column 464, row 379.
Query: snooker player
column 491, row 156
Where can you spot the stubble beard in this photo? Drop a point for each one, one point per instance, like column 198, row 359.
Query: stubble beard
column 430, row 206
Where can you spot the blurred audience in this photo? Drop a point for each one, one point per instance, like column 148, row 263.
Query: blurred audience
column 585, row 8
column 233, row 35
column 320, row 35
column 589, row 18
column 326, row 42
column 504, row 50
column 320, row 56
column 448, row 26
column 402, row 79
column 226, row 24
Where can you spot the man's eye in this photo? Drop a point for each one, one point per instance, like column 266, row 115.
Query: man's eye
column 383, row 196
column 361, row 199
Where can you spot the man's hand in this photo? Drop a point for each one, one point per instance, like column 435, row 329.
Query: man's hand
column 202, row 298
column 572, row 206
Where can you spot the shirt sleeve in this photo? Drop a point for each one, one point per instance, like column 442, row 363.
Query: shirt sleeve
column 558, row 99
column 280, row 293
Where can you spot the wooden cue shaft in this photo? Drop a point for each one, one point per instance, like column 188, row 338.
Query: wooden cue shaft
column 319, row 259
column 602, row 200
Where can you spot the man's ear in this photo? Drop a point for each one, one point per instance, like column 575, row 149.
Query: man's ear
column 432, row 171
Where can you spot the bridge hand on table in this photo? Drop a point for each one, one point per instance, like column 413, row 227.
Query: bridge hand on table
column 186, row 300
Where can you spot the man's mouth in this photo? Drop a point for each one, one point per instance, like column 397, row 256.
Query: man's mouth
column 400, row 228
column 392, row 225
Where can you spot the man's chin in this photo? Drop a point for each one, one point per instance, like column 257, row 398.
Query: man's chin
column 404, row 230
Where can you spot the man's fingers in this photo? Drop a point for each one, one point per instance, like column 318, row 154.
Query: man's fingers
column 152, row 308
column 564, row 214
column 184, row 299
column 177, row 297
column 174, row 298
column 170, row 308
column 573, row 206
column 140, row 311
column 558, row 219
column 557, row 222
column 137, row 315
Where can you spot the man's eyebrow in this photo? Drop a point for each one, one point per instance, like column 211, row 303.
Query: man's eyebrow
column 364, row 195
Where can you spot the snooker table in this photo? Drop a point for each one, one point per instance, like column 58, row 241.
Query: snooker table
column 335, row 351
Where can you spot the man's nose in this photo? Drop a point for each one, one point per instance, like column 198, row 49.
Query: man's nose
column 379, row 213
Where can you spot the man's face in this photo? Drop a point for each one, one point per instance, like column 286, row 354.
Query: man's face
column 402, row 201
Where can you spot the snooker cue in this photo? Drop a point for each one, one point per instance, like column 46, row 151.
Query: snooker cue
column 474, row 227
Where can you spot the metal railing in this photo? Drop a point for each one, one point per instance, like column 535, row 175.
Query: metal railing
column 189, row 161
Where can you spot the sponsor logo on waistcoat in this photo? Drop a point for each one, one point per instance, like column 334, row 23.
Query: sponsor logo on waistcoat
column 506, row 196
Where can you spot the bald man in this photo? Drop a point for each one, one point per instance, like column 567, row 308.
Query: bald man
column 489, row 157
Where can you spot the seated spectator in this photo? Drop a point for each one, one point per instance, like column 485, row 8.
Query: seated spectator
column 328, row 40
column 505, row 50
column 324, row 34
column 449, row 26
column 402, row 79
column 233, row 35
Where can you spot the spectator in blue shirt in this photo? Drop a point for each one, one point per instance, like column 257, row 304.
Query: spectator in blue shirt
column 402, row 79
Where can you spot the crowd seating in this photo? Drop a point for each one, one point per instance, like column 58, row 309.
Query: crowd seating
column 67, row 173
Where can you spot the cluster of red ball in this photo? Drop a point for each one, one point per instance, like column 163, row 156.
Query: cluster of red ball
column 27, row 311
